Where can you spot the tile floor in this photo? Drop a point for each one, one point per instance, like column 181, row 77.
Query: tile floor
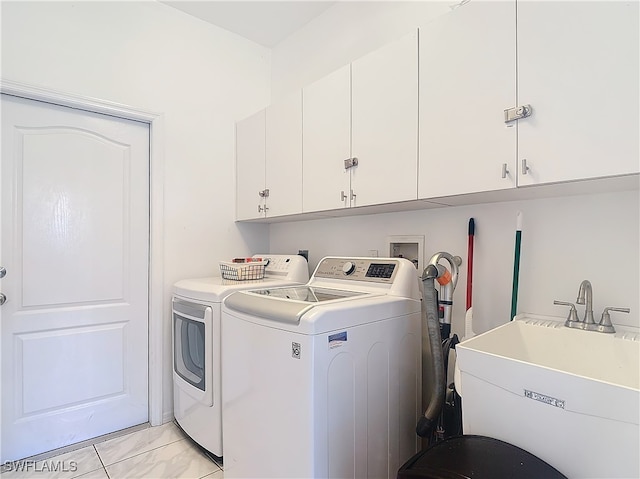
column 162, row 452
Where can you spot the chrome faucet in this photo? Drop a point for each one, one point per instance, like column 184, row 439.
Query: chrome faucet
column 585, row 296
column 586, row 290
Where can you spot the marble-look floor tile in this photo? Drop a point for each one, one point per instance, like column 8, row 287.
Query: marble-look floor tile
column 65, row 466
column 97, row 474
column 216, row 475
column 120, row 448
column 178, row 460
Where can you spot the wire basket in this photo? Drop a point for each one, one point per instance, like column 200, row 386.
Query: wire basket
column 242, row 271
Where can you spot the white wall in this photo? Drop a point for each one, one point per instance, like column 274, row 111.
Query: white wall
column 565, row 240
column 342, row 33
column 152, row 57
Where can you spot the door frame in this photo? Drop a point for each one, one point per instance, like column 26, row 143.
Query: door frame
column 156, row 214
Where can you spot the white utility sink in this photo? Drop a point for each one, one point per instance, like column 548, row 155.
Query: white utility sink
column 570, row 397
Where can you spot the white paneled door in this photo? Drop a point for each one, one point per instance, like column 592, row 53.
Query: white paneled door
column 75, row 246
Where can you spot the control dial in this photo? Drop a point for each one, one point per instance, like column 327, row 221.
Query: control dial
column 348, row 268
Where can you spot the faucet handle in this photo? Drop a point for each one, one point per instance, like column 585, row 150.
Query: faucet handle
column 572, row 320
column 605, row 325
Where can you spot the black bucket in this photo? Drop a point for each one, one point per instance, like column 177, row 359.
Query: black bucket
column 476, row 457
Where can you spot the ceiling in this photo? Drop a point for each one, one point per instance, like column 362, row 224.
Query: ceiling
column 264, row 22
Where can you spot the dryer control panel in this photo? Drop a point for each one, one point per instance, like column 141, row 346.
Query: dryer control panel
column 290, row 267
column 376, row 270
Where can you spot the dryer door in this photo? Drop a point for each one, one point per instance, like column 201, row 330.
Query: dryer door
column 192, row 350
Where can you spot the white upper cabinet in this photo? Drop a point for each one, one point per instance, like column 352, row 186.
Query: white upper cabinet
column 269, row 161
column 365, row 112
column 384, row 128
column 250, row 164
column 467, row 79
column 283, row 172
column 326, row 142
column 578, row 68
column 437, row 114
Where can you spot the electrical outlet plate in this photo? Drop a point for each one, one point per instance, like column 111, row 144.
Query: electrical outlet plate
column 410, row 247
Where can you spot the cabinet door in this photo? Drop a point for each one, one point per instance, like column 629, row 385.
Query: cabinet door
column 326, row 142
column 284, row 156
column 578, row 68
column 385, row 123
column 467, row 79
column 250, row 164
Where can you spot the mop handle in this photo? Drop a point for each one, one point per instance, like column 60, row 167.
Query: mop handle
column 472, row 229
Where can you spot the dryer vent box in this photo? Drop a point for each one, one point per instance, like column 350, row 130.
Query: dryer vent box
column 409, row 247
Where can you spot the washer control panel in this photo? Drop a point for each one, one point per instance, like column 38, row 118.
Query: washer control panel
column 376, row 270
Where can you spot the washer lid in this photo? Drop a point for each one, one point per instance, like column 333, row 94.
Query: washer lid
column 308, row 294
column 288, row 304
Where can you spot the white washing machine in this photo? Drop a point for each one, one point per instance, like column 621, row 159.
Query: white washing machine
column 324, row 380
column 196, row 305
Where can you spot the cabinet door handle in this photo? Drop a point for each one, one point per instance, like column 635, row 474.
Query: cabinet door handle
column 525, row 168
column 353, row 195
column 263, row 209
column 342, row 196
column 505, row 170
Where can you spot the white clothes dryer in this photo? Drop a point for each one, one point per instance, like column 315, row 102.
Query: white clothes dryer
column 196, row 316
column 324, row 380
